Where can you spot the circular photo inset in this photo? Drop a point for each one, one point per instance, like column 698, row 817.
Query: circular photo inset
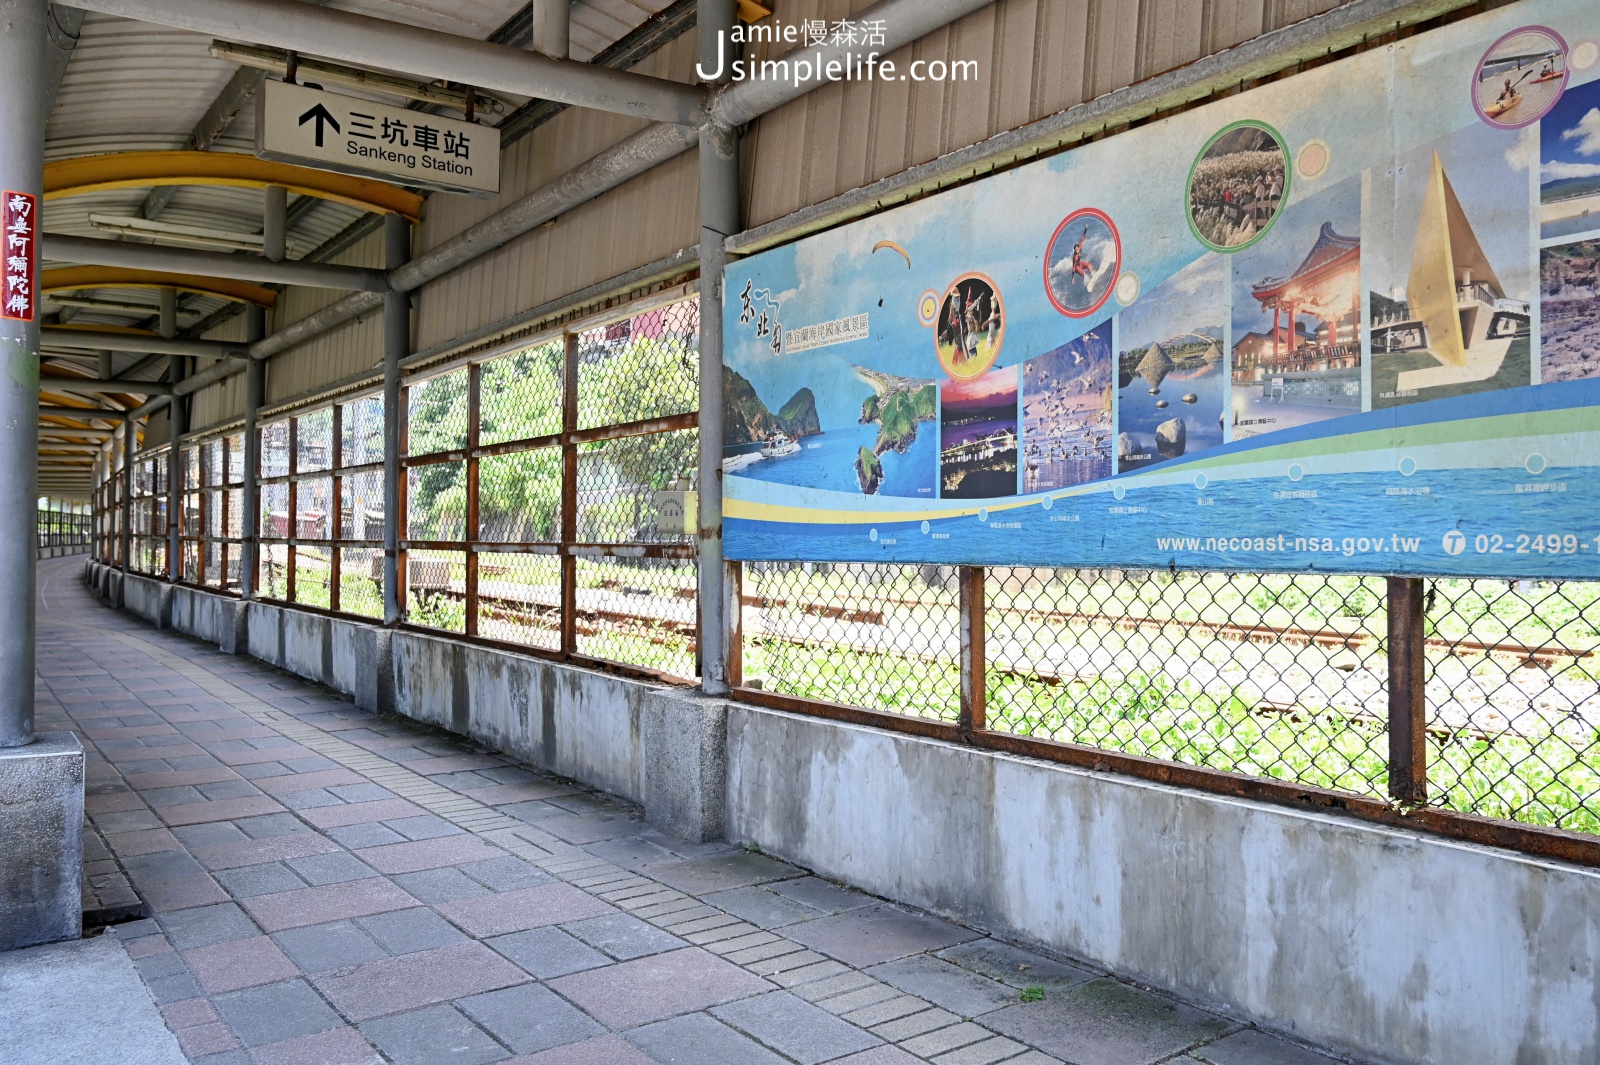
column 1081, row 263
column 928, row 307
column 1520, row 77
column 971, row 326
column 1313, row 160
column 1238, row 184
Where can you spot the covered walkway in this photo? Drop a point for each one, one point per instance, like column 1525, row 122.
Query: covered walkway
column 328, row 886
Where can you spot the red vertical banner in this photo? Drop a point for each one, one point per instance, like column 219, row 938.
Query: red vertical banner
column 17, row 225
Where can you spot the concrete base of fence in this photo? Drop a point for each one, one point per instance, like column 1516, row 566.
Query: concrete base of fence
column 41, row 841
column 685, row 769
column 1390, row 945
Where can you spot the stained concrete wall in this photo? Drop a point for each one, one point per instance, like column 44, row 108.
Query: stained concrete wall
column 1392, row 946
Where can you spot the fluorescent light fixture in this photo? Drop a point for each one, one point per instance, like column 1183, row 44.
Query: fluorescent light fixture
column 173, row 233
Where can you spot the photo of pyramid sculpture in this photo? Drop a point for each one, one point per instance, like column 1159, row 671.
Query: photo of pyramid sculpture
column 1454, row 308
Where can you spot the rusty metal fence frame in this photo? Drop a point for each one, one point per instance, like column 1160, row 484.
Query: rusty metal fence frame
column 562, row 625
column 965, row 716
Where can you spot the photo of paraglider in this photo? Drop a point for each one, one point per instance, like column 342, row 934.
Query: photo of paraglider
column 1239, row 181
column 1081, row 263
column 971, row 326
column 1171, row 386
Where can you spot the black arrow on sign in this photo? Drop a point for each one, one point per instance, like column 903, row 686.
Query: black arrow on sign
column 323, row 116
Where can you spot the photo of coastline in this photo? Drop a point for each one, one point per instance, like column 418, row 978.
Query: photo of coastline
column 978, row 436
column 1171, row 388
column 1447, row 261
column 1297, row 317
column 1569, row 311
column 890, row 450
column 1569, row 165
column 1066, row 413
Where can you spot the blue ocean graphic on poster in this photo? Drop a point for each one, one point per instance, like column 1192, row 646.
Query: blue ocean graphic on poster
column 1346, row 321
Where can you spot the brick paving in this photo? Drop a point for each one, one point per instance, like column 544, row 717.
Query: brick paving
column 323, row 886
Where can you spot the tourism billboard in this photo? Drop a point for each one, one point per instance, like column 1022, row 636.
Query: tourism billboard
column 1346, row 321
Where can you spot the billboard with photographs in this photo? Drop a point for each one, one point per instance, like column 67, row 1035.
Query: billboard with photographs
column 1346, row 321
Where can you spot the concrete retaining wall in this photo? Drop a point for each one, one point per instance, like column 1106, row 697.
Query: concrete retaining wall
column 1393, row 946
column 1390, row 945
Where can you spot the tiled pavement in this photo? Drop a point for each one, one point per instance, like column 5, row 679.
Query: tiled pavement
column 329, row 887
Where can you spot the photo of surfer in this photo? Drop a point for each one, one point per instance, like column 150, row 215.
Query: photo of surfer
column 971, row 326
column 1446, row 257
column 1520, row 78
column 1080, row 265
column 1238, row 183
column 1066, row 413
column 978, row 436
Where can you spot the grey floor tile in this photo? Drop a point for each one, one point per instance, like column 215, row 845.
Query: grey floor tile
column 530, row 1018
column 406, row 931
column 1015, row 966
column 371, row 834
column 623, row 937
column 548, row 952
column 1107, row 1023
column 252, row 880
column 943, row 984
column 876, row 934
column 205, row 925
column 761, row 907
column 270, row 826
column 795, row 1027
column 361, row 792
column 276, row 1012
column 437, row 886
column 505, row 874
column 822, row 894
column 719, row 872
column 696, row 1039
column 335, row 945
column 229, row 789
column 432, row 1036
column 310, row 799
column 1252, row 1047
column 423, row 826
column 336, row 867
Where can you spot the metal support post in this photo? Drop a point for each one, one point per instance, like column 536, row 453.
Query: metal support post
column 552, row 27
column 274, row 223
column 396, row 346
column 719, row 219
column 130, row 442
column 1408, row 738
column 255, row 388
column 569, row 494
column 107, row 365
column 23, row 69
column 974, row 672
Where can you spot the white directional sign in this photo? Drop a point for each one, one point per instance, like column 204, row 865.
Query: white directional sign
column 311, row 127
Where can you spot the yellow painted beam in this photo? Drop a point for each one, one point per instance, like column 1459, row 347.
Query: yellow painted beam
column 142, row 170
column 68, row 278
column 114, row 330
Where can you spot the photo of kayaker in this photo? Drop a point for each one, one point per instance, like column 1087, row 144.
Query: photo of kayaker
column 1238, row 183
column 1520, row 78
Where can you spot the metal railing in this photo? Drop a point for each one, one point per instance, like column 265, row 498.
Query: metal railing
column 63, row 531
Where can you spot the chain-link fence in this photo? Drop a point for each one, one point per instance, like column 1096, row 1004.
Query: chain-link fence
column 1284, row 677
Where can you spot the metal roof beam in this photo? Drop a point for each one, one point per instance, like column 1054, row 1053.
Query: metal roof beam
column 64, row 382
column 95, row 340
column 383, row 45
column 96, row 414
column 211, row 264
column 71, row 278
